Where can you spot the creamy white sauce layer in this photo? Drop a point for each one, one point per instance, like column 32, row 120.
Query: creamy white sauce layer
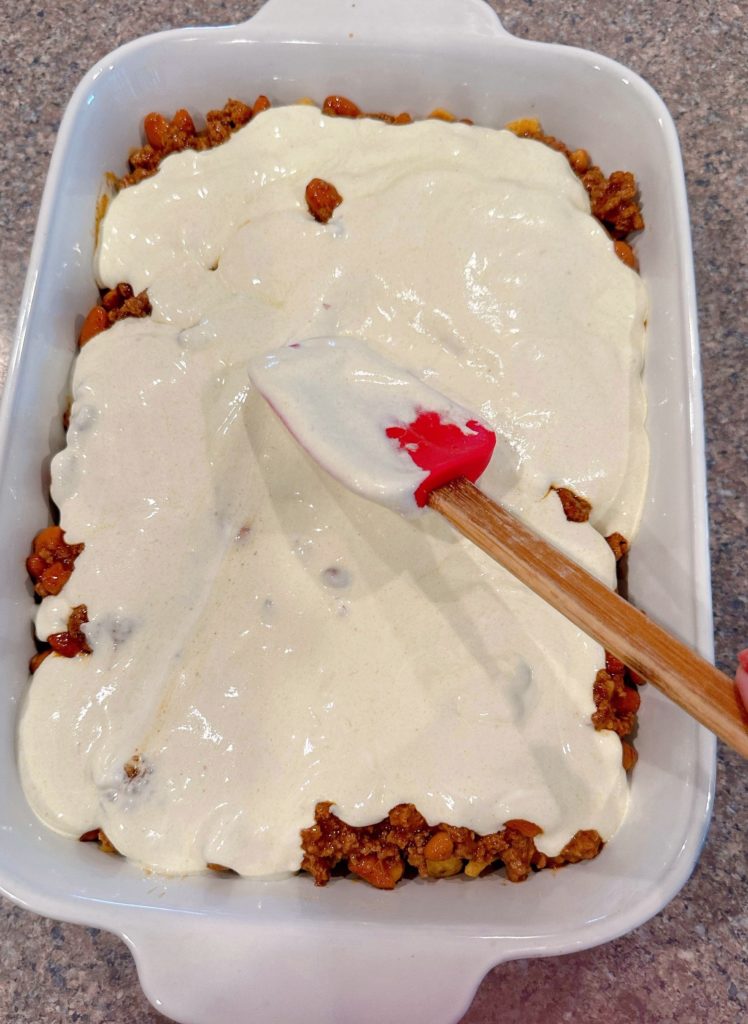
column 262, row 638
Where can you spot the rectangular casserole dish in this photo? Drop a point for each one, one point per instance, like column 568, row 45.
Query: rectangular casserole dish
column 219, row 950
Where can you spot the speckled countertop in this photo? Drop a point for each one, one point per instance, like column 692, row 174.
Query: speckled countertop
column 689, row 964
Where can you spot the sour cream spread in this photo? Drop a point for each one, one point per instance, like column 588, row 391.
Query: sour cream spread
column 264, row 639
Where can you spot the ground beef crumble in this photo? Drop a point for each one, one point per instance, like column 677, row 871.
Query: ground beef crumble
column 73, row 640
column 164, row 137
column 51, row 561
column 114, row 304
column 576, row 508
column 613, row 199
column 404, row 843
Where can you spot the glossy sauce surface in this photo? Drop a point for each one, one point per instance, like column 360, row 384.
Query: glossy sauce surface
column 262, row 638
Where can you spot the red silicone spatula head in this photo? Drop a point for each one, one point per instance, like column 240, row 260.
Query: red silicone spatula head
column 444, row 450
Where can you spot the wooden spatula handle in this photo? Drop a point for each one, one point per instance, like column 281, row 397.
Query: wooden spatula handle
column 684, row 676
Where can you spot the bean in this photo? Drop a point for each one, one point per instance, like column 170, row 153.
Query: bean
column 613, row 665
column 444, row 868
column 47, row 539
column 626, row 254
column 340, row 106
column 260, row 104
column 96, row 322
column 66, row 644
column 183, row 121
column 629, row 756
column 526, row 828
column 474, row 867
column 439, row 847
column 580, row 160
column 35, row 566
column 440, row 114
column 156, row 129
column 322, row 198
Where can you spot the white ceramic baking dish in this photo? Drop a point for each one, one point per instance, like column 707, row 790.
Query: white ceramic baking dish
column 211, row 949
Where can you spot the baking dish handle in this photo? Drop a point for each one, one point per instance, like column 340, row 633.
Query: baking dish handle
column 431, row 22
column 198, row 973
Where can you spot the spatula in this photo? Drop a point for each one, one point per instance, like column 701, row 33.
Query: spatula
column 388, row 436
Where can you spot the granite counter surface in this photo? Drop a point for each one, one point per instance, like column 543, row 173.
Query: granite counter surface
column 690, row 963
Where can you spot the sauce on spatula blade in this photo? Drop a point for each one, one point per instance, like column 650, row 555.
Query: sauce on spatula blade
column 374, row 426
column 387, row 435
